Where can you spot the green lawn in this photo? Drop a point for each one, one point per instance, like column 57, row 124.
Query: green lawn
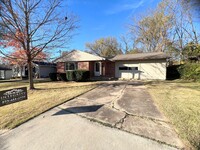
column 180, row 102
column 47, row 95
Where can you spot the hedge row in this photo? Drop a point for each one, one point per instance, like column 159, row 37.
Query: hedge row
column 53, row 76
column 190, row 71
column 76, row 75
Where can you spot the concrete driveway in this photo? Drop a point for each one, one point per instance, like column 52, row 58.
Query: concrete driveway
column 84, row 123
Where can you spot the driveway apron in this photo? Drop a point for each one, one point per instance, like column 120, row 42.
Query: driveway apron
column 128, row 106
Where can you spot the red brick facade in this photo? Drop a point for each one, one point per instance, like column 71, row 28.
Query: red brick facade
column 91, row 68
column 108, row 68
column 83, row 65
column 60, row 67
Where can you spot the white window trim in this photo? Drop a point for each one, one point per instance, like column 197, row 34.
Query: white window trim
column 74, row 65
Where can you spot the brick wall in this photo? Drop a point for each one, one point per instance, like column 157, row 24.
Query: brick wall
column 83, row 65
column 91, row 68
column 61, row 67
column 109, row 69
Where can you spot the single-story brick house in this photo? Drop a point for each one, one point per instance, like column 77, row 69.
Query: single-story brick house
column 128, row 66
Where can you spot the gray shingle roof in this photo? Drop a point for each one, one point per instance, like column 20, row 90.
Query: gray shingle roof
column 76, row 55
column 141, row 56
column 5, row 67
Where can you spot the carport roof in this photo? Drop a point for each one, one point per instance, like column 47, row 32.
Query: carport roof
column 5, row 67
column 141, row 56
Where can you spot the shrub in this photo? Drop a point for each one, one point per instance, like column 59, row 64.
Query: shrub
column 24, row 77
column 70, row 75
column 190, row 71
column 81, row 75
column 53, row 76
column 78, row 75
column 62, row 76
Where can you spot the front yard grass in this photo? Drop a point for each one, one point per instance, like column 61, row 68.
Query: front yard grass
column 180, row 102
column 46, row 96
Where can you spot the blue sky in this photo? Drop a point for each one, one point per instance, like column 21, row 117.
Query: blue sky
column 103, row 18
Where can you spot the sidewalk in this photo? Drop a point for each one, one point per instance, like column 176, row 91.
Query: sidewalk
column 51, row 131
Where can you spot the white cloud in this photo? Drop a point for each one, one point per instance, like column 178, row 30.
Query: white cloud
column 124, row 7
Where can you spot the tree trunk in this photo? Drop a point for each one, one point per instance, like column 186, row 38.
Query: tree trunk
column 181, row 57
column 30, row 75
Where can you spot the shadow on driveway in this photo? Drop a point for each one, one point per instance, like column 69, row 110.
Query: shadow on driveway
column 79, row 109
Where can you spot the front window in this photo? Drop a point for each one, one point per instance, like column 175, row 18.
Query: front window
column 71, row 66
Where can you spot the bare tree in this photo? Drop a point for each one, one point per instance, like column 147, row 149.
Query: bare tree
column 184, row 29
column 152, row 31
column 106, row 47
column 126, row 43
column 189, row 16
column 35, row 26
column 194, row 4
column 169, row 28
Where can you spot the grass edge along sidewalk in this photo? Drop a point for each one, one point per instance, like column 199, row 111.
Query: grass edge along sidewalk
column 179, row 101
column 40, row 101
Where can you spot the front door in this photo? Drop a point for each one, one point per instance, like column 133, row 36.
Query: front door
column 97, row 69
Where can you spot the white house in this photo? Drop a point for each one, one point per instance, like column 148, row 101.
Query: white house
column 40, row 70
column 5, row 72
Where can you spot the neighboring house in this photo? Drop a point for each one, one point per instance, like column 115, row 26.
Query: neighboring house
column 129, row 66
column 43, row 69
column 5, row 72
column 40, row 70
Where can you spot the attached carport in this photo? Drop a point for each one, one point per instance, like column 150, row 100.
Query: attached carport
column 141, row 66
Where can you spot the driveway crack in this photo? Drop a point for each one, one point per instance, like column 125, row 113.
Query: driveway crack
column 120, row 122
column 117, row 98
column 113, row 103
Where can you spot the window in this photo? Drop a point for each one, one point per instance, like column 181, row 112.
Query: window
column 124, row 68
column 128, row 68
column 134, row 68
column 71, row 66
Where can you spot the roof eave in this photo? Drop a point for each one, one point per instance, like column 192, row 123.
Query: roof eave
column 139, row 59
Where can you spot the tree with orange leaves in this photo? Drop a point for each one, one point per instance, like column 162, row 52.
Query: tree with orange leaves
column 19, row 58
column 33, row 27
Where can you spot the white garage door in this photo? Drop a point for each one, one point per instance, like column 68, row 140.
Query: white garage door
column 148, row 69
column 126, row 72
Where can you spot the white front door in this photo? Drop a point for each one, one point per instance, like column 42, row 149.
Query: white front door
column 97, row 69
